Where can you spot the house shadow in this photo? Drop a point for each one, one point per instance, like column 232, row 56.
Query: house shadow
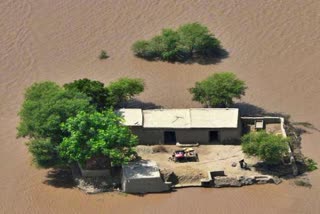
column 136, row 103
column 251, row 110
column 60, row 178
column 247, row 109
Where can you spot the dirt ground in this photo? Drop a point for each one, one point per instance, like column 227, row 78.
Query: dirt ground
column 211, row 158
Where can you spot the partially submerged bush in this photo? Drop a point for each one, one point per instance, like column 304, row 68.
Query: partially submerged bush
column 310, row 164
column 159, row 149
column 187, row 41
column 142, row 49
column 103, row 55
column 304, row 182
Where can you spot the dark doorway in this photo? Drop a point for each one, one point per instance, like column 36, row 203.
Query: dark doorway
column 170, row 137
column 214, row 136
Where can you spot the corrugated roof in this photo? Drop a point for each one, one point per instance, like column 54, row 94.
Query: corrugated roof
column 182, row 118
column 132, row 117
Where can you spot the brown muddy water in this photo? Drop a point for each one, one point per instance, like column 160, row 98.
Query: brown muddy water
column 273, row 45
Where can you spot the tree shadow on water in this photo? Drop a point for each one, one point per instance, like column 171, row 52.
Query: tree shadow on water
column 60, row 178
column 213, row 57
column 210, row 57
column 247, row 109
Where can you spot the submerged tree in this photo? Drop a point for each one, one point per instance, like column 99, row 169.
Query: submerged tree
column 142, row 49
column 196, row 38
column 178, row 45
column 269, row 147
column 45, row 107
column 97, row 134
column 165, row 46
column 123, row 90
column 218, row 89
column 103, row 55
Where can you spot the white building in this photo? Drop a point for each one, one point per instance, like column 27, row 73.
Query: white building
column 195, row 125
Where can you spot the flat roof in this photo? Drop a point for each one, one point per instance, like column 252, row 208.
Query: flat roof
column 132, row 116
column 141, row 169
column 182, row 118
column 191, row 118
column 214, row 118
column 166, row 118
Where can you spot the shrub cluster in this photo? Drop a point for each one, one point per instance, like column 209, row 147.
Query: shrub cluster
column 103, row 55
column 311, row 164
column 188, row 41
column 268, row 147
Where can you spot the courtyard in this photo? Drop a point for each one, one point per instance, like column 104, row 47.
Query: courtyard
column 211, row 158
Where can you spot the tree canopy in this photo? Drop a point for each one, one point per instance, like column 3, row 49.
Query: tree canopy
column 178, row 45
column 93, row 89
column 218, row 89
column 269, row 147
column 196, row 38
column 95, row 134
column 123, row 90
column 45, row 107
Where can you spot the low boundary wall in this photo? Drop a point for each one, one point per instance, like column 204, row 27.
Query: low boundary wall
column 94, row 173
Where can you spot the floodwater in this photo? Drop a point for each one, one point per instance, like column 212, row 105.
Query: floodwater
column 273, row 45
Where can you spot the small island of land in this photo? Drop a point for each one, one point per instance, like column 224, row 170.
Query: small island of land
column 83, row 126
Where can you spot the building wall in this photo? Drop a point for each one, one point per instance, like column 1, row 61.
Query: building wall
column 156, row 136
column 94, row 173
column 144, row 185
column 192, row 136
column 148, row 136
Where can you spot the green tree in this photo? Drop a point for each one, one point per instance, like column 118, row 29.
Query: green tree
column 178, row 45
column 93, row 89
column 97, row 134
column 123, row 90
column 269, row 147
column 166, row 45
column 44, row 152
column 218, row 89
column 45, row 107
column 142, row 48
column 196, row 38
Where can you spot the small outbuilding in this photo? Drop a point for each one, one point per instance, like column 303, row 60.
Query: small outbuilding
column 143, row 177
